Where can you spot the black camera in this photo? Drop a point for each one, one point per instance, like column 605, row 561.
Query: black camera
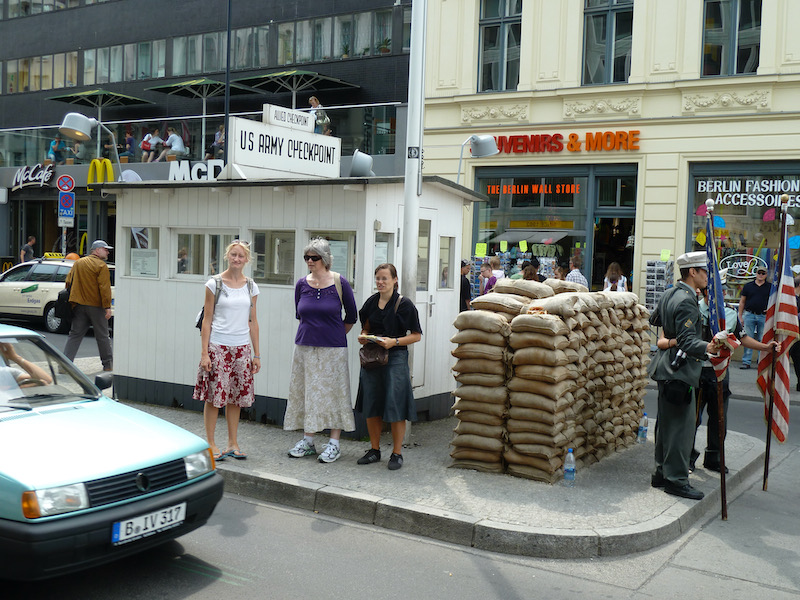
column 679, row 360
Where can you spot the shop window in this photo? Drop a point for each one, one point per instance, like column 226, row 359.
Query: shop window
column 500, row 34
column 616, row 192
column 607, row 41
column 273, row 257
column 423, row 255
column 731, row 37
column 142, row 251
column 343, row 249
column 447, row 262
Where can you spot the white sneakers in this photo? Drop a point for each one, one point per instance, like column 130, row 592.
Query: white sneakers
column 302, row 448
column 330, row 454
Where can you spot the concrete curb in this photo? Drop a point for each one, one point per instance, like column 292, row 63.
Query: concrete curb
column 484, row 534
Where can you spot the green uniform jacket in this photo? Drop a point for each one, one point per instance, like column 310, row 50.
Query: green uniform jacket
column 679, row 315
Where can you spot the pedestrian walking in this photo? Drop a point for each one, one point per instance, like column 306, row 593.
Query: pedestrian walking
column 319, row 389
column 89, row 284
column 26, row 252
column 384, row 393
column 575, row 275
column 753, row 310
column 229, row 349
column 678, row 313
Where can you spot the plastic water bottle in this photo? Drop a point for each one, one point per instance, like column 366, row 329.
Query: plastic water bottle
column 569, row 469
column 642, row 436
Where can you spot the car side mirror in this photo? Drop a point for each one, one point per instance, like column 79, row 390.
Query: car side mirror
column 104, row 380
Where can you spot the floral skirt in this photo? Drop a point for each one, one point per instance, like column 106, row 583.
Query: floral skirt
column 319, row 391
column 230, row 380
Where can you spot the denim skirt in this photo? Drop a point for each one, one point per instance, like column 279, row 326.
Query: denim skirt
column 386, row 391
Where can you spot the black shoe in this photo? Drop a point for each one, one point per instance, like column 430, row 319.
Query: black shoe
column 745, row 367
column 686, row 491
column 692, row 465
column 372, row 456
column 395, row 461
column 713, row 466
column 657, row 481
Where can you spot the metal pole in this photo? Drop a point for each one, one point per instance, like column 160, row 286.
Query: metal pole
column 227, row 83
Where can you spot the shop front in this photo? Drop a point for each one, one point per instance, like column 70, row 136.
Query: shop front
column 559, row 212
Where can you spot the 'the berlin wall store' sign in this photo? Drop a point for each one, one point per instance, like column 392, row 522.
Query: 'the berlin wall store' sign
column 275, row 151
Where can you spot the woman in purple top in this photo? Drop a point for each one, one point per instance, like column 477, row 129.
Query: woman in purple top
column 319, row 390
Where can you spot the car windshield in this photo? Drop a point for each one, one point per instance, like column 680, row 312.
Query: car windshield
column 32, row 373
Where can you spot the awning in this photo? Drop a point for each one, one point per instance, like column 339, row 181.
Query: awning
column 294, row 81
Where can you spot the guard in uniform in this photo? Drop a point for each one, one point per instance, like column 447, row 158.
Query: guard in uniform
column 678, row 374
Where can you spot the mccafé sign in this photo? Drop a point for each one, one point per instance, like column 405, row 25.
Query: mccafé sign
column 592, row 141
column 37, row 175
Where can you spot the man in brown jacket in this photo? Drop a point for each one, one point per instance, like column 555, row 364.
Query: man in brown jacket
column 90, row 296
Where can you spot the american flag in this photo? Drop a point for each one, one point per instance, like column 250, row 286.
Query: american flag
column 781, row 326
column 716, row 307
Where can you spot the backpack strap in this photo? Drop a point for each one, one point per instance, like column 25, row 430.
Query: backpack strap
column 337, row 281
column 217, row 290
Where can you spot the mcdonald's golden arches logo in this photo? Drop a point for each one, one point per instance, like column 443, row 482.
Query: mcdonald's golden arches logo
column 100, row 171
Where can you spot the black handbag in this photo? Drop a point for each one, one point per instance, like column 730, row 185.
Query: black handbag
column 63, row 308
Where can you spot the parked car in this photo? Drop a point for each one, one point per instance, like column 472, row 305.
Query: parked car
column 85, row 480
column 30, row 290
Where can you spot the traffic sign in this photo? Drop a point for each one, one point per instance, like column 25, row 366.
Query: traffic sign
column 66, row 204
column 66, row 222
column 66, row 183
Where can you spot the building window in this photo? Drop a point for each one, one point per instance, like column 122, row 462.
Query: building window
column 607, row 37
column 383, row 32
column 407, row 30
column 285, row 43
column 447, row 259
column 343, row 37
column 250, row 47
column 423, row 255
column 273, row 256
column 143, row 251
column 731, row 37
column 201, row 254
column 500, row 34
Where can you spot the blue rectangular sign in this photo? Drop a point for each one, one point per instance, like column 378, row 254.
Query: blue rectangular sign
column 66, row 204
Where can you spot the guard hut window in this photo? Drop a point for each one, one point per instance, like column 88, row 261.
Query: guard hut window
column 731, row 37
column 447, row 259
column 272, row 257
column 607, row 38
column 500, row 34
column 142, row 252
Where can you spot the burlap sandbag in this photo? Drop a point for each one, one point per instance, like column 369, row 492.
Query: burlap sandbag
column 480, row 379
column 530, row 437
column 526, row 339
column 540, row 450
column 539, row 323
column 561, row 286
column 480, row 393
column 519, row 413
column 497, row 410
column 527, row 472
column 476, row 336
column 477, row 465
column 484, row 320
column 522, row 287
column 477, row 365
column 546, row 373
column 551, row 390
column 485, row 351
column 481, row 418
column 586, row 302
column 472, row 454
column 562, row 305
column 548, row 465
column 540, row 356
column 489, row 431
column 528, row 400
column 521, row 426
column 495, row 302
column 478, row 442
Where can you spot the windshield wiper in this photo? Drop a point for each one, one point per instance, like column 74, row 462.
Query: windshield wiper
column 15, row 407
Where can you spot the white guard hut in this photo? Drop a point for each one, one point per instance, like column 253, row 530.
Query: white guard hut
column 171, row 237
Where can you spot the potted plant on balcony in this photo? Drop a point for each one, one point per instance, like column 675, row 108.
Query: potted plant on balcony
column 385, row 46
column 345, row 50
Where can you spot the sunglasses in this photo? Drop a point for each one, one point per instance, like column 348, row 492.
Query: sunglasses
column 241, row 242
column 308, row 257
column 761, row 272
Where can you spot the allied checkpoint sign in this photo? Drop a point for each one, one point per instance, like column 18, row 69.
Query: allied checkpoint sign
column 267, row 150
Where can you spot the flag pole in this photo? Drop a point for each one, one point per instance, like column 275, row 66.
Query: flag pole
column 781, row 251
column 720, row 406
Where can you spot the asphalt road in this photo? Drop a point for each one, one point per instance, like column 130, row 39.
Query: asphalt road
column 88, row 345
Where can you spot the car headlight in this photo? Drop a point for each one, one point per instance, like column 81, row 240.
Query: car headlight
column 198, row 464
column 54, row 501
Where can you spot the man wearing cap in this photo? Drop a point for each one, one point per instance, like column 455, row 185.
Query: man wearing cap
column 89, row 282
column 678, row 313
column 707, row 388
column 753, row 310
column 466, row 288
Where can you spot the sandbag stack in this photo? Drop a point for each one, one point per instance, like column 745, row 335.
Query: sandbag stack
column 482, row 399
column 576, row 375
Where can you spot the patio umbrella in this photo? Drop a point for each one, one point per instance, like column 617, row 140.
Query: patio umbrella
column 294, row 81
column 99, row 98
column 204, row 89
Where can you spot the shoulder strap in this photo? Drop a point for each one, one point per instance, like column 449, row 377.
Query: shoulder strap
column 249, row 286
column 397, row 304
column 337, row 281
column 217, row 288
